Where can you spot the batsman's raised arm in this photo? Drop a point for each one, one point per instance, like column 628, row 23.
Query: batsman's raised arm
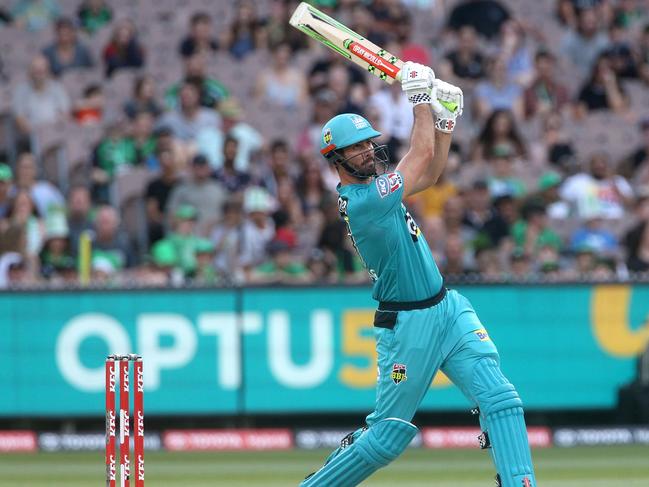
column 417, row 81
column 448, row 105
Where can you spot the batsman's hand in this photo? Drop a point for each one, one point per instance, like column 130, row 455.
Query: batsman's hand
column 418, row 82
column 448, row 104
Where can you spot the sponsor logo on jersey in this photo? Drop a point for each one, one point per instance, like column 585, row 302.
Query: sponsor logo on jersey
column 396, row 181
column 482, row 335
column 383, row 185
column 327, row 136
column 388, row 183
column 398, row 373
column 413, row 229
column 527, row 482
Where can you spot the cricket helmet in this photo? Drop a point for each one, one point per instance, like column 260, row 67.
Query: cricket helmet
column 343, row 131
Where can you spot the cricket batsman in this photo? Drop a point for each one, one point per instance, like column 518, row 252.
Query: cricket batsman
column 420, row 326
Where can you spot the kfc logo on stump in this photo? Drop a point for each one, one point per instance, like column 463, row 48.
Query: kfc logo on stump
column 398, row 373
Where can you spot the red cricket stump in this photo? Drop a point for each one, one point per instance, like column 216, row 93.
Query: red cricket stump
column 111, row 382
column 138, row 412
column 124, row 420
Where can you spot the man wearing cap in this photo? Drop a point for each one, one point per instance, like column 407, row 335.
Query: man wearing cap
column 420, row 326
column 6, row 176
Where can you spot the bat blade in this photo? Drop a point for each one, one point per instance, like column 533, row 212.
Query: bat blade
column 346, row 42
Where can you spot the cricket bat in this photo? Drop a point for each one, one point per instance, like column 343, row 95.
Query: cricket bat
column 349, row 44
column 346, row 42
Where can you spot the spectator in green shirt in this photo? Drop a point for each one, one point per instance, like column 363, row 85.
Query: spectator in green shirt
column 283, row 266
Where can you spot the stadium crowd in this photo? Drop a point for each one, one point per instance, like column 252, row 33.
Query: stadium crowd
column 172, row 142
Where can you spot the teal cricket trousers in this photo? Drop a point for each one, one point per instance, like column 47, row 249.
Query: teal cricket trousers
column 447, row 336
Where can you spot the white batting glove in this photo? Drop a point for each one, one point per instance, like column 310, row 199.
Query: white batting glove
column 448, row 104
column 417, row 81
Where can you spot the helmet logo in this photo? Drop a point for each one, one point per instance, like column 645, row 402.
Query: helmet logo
column 359, row 122
column 327, row 136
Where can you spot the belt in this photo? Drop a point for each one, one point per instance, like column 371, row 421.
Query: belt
column 410, row 305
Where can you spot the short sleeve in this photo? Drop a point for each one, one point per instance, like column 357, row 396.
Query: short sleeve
column 384, row 194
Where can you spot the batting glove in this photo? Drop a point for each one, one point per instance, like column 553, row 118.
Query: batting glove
column 448, row 104
column 417, row 81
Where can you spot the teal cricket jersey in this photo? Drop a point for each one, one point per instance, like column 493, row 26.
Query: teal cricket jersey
column 388, row 240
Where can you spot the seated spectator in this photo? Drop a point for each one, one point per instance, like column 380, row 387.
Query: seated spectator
column 158, row 192
column 22, row 228
column 144, row 98
column 503, row 180
column 311, row 190
column 190, row 118
column 556, row 146
column 497, row 229
column 621, row 53
column 566, row 13
column 454, row 262
column 548, row 195
column 515, row 51
column 113, row 154
column 35, row 15
column 486, row 16
column 279, row 166
column 200, row 38
column 395, row 117
column 281, row 85
column 123, row 50
column 6, row 179
column 598, row 190
column 594, row 235
column 636, row 242
column 231, row 178
column 206, row 273
column 40, row 100
column 520, row 267
column 602, row 91
column 545, row 94
column 201, row 192
column 324, row 107
column 185, row 238
column 14, row 273
column 211, row 91
column 89, row 109
column 109, row 242
column 258, row 228
column 498, row 93
column 637, row 163
column 56, row 257
column 320, row 73
column 249, row 140
column 531, row 234
column 67, row 52
column 227, row 237
column 584, row 44
column 430, row 202
column 498, row 130
column 142, row 137
column 246, row 33
column 282, row 267
column 93, row 15
column 79, row 209
column 468, row 212
column 467, row 62
column 44, row 194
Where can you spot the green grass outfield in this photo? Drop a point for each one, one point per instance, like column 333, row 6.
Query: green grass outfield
column 623, row 466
